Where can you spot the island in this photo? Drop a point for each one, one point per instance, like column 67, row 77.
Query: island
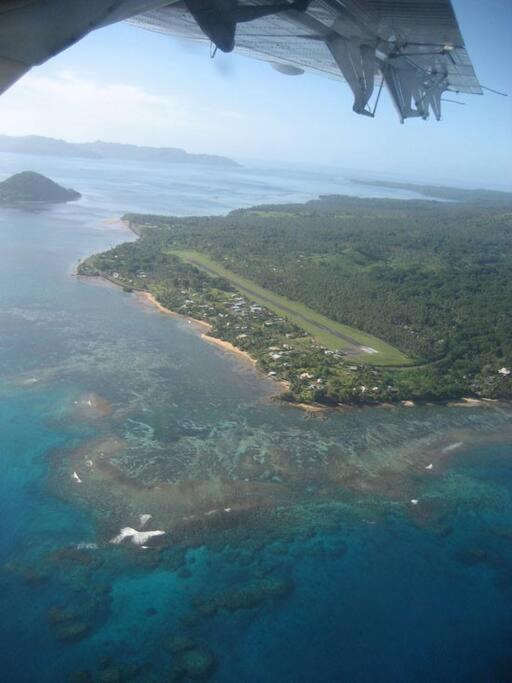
column 468, row 196
column 43, row 146
column 347, row 300
column 29, row 186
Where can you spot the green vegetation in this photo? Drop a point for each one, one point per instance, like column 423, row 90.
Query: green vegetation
column 29, row 186
column 328, row 333
column 432, row 279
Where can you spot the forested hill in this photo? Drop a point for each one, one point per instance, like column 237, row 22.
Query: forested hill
column 29, row 186
column 432, row 278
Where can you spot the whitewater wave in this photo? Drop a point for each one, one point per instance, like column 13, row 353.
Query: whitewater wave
column 453, row 446
column 136, row 537
column 144, row 519
column 86, row 546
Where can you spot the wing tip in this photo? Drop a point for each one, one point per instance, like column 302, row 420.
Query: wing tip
column 10, row 71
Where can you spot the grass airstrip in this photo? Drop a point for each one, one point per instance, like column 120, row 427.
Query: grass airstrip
column 363, row 347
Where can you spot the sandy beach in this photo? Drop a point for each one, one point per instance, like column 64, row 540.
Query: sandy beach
column 228, row 346
column 308, row 407
column 225, row 345
column 206, row 328
column 118, row 221
column 148, row 297
column 220, row 343
column 467, row 402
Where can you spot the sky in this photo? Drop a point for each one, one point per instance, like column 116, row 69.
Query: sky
column 123, row 84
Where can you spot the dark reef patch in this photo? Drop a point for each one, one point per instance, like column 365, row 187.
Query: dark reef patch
column 247, row 596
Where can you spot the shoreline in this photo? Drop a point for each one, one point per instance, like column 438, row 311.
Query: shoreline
column 225, row 346
column 216, row 341
column 147, row 297
column 150, row 298
column 119, row 221
column 463, row 402
column 316, row 408
column 229, row 347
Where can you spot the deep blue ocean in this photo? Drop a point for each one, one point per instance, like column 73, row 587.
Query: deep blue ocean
column 292, row 551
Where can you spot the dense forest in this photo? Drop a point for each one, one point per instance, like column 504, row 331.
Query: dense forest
column 432, row 278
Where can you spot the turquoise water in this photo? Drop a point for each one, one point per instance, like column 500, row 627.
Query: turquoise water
column 292, row 549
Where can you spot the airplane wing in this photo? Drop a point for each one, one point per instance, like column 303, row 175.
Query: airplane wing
column 412, row 47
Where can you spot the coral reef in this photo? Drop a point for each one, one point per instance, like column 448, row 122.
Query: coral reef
column 180, row 644
column 195, row 663
column 252, row 594
column 66, row 624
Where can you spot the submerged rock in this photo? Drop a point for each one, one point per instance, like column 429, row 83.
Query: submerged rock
column 66, row 624
column 110, row 674
column 30, row 576
column 471, row 556
column 180, row 644
column 84, row 557
column 59, row 615
column 196, row 663
column 82, row 676
column 249, row 595
column 70, row 631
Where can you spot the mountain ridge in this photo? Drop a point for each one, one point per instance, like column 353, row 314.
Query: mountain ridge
column 45, row 146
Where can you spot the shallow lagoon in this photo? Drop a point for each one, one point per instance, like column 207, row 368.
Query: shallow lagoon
column 293, row 552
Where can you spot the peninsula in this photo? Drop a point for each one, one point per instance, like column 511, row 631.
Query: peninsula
column 451, row 194
column 29, row 186
column 348, row 300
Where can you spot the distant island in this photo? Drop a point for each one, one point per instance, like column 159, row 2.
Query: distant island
column 42, row 146
column 346, row 299
column 451, row 194
column 29, row 186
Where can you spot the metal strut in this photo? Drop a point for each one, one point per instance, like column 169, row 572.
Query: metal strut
column 357, row 62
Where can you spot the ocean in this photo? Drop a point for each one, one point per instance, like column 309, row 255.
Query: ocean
column 364, row 545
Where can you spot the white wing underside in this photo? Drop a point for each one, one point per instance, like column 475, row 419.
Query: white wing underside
column 299, row 40
column 413, row 46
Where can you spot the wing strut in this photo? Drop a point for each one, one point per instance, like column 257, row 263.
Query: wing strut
column 357, row 63
column 414, row 90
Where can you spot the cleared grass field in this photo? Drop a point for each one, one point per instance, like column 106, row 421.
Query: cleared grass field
column 329, row 333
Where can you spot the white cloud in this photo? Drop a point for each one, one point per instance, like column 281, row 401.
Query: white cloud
column 74, row 108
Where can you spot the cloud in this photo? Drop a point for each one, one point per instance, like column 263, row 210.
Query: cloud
column 79, row 109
